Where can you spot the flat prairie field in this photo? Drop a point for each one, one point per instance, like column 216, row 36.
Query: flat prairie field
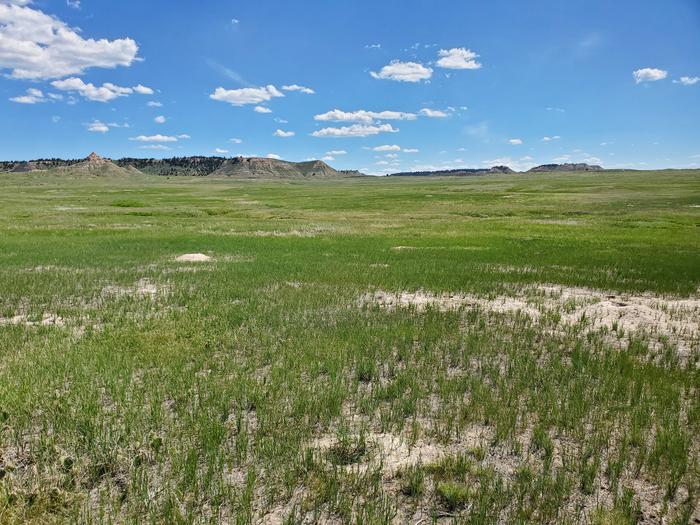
column 501, row 349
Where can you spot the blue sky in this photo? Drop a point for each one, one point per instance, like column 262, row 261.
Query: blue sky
column 380, row 86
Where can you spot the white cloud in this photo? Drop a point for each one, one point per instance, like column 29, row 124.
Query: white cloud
column 248, row 95
column 301, row 89
column 280, row 120
column 161, row 147
column 273, row 156
column 403, row 72
column 649, row 74
column 356, row 130
column 515, row 142
column 143, row 90
column 364, row 116
column 392, row 155
column 154, row 104
column 103, row 93
column 235, row 21
column 33, row 96
column 283, row 134
column 387, row 147
column 458, row 58
column 235, row 141
column 558, row 110
column 433, row 113
column 262, row 109
column 97, row 127
column 550, row 139
column 373, row 46
column 156, row 138
column 328, row 158
column 411, row 150
column 220, row 151
column 183, row 136
column 336, row 152
column 160, row 119
column 34, row 45
column 55, row 119
column 75, row 4
column 687, row 81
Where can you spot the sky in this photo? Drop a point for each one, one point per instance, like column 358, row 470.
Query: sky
column 381, row 86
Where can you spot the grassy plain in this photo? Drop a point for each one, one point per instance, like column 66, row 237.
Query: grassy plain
column 268, row 385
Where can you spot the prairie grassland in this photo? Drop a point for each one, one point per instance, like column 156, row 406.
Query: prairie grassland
column 510, row 349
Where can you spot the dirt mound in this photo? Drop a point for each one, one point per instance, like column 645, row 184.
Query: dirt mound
column 193, row 257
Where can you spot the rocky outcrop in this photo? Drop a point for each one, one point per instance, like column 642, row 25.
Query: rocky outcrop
column 258, row 167
column 462, row 172
column 565, row 167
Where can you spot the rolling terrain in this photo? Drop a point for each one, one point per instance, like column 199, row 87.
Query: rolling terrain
column 502, row 349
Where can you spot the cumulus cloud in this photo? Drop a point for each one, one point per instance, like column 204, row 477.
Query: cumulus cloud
column 160, row 119
column 458, row 58
column 32, row 96
column 154, row 104
column 363, row 116
column 433, row 113
column 220, row 151
column 649, row 74
column 301, row 89
column 336, row 152
column 411, row 150
column 403, row 72
column 356, row 130
column 161, row 147
column 273, row 156
column 183, row 136
column 283, row 134
column 34, row 45
column 103, row 93
column 143, row 90
column 328, row 158
column 550, row 139
column 687, row 81
column 262, row 109
column 97, row 127
column 156, row 138
column 248, row 95
column 235, row 141
column 387, row 147
column 515, row 142
column 75, row 4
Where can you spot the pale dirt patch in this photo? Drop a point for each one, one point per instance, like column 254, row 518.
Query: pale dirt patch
column 466, row 248
column 193, row 257
column 674, row 319
column 23, row 320
column 558, row 222
column 395, row 453
column 142, row 288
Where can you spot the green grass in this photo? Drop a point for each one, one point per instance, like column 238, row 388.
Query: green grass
column 205, row 402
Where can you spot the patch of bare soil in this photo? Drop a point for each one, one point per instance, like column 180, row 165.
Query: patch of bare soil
column 193, row 257
column 676, row 320
column 143, row 288
column 23, row 320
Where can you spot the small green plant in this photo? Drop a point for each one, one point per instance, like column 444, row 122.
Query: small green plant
column 453, row 495
column 412, row 481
